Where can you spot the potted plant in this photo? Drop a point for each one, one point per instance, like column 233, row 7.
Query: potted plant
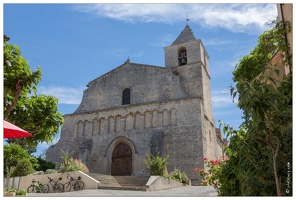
column 8, row 192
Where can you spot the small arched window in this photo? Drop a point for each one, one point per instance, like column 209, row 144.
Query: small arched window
column 126, row 96
column 182, row 56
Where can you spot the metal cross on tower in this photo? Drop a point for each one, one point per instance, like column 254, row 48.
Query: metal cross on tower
column 187, row 19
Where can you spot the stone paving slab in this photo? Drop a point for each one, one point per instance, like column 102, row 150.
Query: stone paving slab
column 184, row 191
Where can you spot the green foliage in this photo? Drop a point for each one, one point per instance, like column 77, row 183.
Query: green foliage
column 13, row 153
column 9, row 190
column 261, row 149
column 37, row 114
column 21, row 193
column 156, row 164
column 269, row 43
column 37, row 186
column 177, row 175
column 212, row 173
column 44, row 165
column 23, row 168
column 16, row 69
column 249, row 171
column 38, row 173
column 260, row 152
column 50, row 171
column 74, row 165
column 66, row 158
column 69, row 164
column 17, row 192
column 24, row 144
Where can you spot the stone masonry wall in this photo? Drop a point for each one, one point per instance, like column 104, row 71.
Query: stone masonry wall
column 147, row 84
column 89, row 135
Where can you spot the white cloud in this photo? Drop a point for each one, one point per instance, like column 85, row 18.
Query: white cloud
column 239, row 17
column 222, row 99
column 64, row 94
column 249, row 18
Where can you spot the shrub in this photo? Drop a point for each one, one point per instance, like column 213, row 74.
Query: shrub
column 23, row 168
column 156, row 164
column 69, row 164
column 17, row 192
column 211, row 176
column 13, row 153
column 50, row 171
column 38, row 173
column 73, row 165
column 21, row 193
column 9, row 190
column 44, row 165
column 177, row 175
column 80, row 165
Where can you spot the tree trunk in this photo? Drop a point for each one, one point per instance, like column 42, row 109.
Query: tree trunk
column 18, row 92
column 278, row 186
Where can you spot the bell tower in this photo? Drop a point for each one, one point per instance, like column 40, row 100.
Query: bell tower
column 188, row 57
column 186, row 50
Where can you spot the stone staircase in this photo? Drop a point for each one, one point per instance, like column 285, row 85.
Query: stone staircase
column 120, row 182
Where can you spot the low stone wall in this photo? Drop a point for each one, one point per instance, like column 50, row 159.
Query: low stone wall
column 161, row 183
column 23, row 182
column 89, row 182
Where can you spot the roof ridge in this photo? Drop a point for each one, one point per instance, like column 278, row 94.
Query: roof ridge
column 126, row 63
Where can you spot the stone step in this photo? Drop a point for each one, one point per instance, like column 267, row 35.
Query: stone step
column 121, row 182
column 133, row 188
column 132, row 180
column 104, row 179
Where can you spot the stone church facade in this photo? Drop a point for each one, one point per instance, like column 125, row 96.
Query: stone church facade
column 136, row 109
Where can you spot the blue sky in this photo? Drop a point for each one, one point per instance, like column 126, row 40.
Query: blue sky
column 76, row 43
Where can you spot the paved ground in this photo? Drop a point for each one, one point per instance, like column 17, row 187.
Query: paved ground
column 184, row 191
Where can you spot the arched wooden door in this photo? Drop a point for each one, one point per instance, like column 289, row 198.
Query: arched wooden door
column 121, row 160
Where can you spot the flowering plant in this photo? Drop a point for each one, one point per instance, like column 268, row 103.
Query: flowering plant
column 70, row 164
column 210, row 176
column 177, row 175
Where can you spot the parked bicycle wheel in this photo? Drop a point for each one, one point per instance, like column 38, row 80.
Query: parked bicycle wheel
column 67, row 187
column 32, row 189
column 44, row 188
column 78, row 185
column 59, row 188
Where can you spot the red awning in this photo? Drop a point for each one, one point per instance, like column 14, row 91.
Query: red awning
column 13, row 131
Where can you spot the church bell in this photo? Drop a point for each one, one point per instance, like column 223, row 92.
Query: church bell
column 183, row 61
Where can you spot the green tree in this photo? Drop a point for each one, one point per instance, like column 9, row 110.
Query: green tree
column 261, row 150
column 37, row 114
column 23, row 168
column 269, row 43
column 44, row 165
column 13, row 153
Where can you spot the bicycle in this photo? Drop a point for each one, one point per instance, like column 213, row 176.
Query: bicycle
column 57, row 187
column 77, row 184
column 37, row 187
